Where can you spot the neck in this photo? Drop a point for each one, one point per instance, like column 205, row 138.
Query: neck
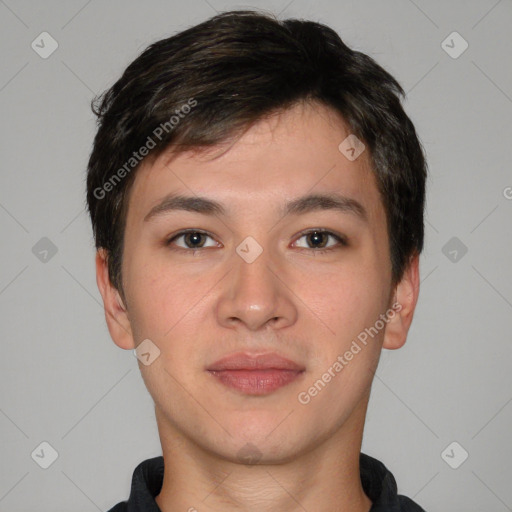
column 325, row 478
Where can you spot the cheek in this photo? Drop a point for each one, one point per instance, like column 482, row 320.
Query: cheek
column 168, row 307
column 157, row 298
column 346, row 356
column 348, row 302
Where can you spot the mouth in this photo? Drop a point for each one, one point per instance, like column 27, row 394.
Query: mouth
column 255, row 375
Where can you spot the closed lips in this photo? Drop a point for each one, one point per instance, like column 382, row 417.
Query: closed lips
column 244, row 361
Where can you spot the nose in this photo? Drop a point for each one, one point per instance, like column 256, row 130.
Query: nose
column 256, row 295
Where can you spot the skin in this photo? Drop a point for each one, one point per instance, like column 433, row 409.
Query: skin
column 306, row 306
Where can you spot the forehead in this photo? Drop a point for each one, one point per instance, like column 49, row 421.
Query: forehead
column 280, row 158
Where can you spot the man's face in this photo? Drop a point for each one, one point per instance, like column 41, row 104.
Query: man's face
column 202, row 297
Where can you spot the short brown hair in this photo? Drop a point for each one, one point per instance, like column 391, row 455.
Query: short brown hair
column 238, row 67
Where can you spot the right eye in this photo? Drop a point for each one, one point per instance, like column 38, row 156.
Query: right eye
column 192, row 238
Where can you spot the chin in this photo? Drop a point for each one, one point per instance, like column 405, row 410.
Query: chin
column 259, row 438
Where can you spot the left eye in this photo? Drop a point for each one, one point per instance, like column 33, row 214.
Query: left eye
column 192, row 239
column 319, row 239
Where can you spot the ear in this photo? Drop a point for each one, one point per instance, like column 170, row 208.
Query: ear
column 404, row 304
column 116, row 313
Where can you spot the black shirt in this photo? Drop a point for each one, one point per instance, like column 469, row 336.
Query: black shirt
column 378, row 484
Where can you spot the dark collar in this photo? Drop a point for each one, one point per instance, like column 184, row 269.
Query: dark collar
column 378, row 484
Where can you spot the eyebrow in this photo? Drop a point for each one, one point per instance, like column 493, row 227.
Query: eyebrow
column 299, row 206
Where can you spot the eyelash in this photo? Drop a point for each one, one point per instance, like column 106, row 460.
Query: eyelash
column 341, row 240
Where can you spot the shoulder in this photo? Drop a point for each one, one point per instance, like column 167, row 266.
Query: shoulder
column 380, row 486
column 407, row 505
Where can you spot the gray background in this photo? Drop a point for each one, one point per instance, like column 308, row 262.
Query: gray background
column 64, row 381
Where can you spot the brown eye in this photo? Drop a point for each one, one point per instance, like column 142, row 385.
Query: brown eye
column 191, row 239
column 194, row 240
column 317, row 240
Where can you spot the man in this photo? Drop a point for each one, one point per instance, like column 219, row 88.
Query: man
column 257, row 193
